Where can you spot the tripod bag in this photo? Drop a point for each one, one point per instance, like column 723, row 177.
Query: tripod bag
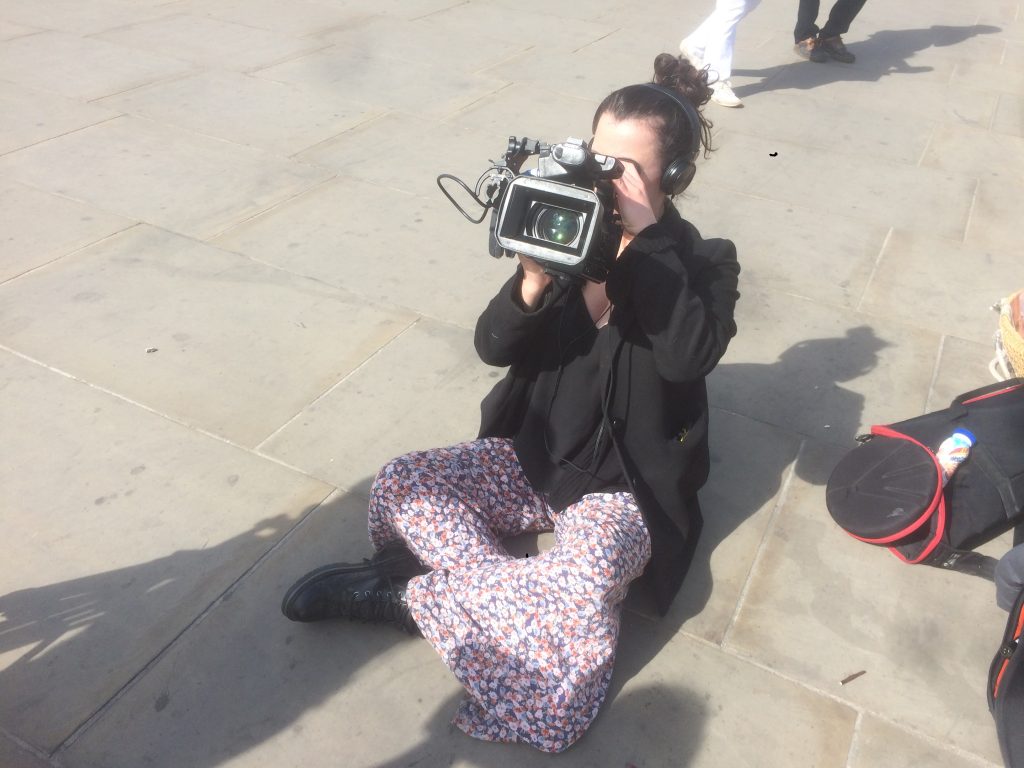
column 889, row 490
column 1006, row 688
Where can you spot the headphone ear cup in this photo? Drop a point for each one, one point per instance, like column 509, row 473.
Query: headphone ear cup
column 677, row 176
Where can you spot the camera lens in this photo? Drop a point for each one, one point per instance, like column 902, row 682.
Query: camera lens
column 555, row 225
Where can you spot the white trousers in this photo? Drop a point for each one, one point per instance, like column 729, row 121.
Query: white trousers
column 714, row 39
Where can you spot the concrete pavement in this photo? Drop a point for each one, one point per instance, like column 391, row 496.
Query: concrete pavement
column 230, row 290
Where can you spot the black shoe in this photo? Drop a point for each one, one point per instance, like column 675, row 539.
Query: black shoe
column 372, row 591
column 834, row 47
column 811, row 49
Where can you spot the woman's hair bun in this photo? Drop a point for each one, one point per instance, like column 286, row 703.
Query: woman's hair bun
column 679, row 74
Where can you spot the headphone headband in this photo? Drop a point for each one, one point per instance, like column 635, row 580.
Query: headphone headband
column 689, row 112
column 679, row 171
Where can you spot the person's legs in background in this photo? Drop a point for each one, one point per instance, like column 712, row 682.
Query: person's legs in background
column 805, row 34
column 712, row 45
column 839, row 19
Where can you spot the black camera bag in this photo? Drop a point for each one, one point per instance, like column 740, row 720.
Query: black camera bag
column 888, row 491
column 1006, row 689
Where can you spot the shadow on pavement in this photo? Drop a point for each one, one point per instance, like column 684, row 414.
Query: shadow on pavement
column 76, row 644
column 883, row 53
column 747, row 474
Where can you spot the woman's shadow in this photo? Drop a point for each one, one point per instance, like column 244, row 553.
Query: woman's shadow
column 764, row 419
column 883, row 53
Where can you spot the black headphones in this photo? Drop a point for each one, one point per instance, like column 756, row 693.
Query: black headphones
column 679, row 172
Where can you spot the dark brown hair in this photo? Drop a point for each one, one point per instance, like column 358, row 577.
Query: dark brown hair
column 672, row 127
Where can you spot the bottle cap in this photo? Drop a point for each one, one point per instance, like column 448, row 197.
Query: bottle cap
column 967, row 434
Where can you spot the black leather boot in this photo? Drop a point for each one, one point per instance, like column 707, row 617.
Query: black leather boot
column 371, row 591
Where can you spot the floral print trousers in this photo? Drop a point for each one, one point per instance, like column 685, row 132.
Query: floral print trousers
column 531, row 639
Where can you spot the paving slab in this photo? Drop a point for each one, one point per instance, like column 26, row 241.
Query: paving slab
column 961, row 283
column 931, row 201
column 813, row 369
column 13, row 755
column 205, row 184
column 1009, row 117
column 710, row 724
column 232, row 106
column 380, row 244
column 786, row 247
column 424, row 388
column 386, row 150
column 150, row 522
column 751, row 463
column 31, row 116
column 998, row 79
column 78, row 18
column 513, row 110
column 622, row 56
column 317, row 681
column 41, row 227
column 963, row 367
column 82, row 67
column 935, row 99
column 966, row 149
column 230, row 368
column 429, row 39
column 994, row 216
column 820, row 608
column 883, row 745
column 907, row 136
column 365, row 73
column 302, row 18
column 373, row 685
column 210, row 42
column 9, row 30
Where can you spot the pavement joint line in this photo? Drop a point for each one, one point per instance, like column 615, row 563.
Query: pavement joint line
column 26, row 746
column 143, row 86
column 284, row 59
column 596, row 40
column 773, row 516
column 927, row 146
column 166, row 416
column 59, row 136
column 259, row 446
column 484, row 97
column 995, row 110
column 971, row 207
column 208, row 239
column 874, row 269
column 98, row 714
column 371, row 118
column 78, row 250
column 438, row 11
column 860, row 709
column 854, row 740
column 935, row 373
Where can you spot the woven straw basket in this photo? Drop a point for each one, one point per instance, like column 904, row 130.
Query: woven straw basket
column 1009, row 359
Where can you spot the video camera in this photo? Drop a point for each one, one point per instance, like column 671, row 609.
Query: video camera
column 560, row 214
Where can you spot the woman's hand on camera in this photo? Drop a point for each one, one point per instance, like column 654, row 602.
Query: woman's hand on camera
column 535, row 282
column 634, row 205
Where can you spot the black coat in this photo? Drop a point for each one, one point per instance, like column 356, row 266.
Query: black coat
column 673, row 294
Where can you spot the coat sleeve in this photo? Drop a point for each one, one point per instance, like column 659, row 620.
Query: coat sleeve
column 505, row 329
column 682, row 295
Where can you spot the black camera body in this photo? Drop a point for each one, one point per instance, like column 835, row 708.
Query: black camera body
column 559, row 214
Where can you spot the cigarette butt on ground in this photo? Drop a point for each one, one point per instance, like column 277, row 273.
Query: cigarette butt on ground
column 851, row 678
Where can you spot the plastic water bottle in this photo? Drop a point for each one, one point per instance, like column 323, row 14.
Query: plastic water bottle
column 953, row 452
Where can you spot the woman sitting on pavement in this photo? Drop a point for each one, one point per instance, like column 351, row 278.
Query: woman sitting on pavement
column 598, row 432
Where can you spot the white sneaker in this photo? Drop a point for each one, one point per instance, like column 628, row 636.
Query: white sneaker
column 724, row 96
column 690, row 55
